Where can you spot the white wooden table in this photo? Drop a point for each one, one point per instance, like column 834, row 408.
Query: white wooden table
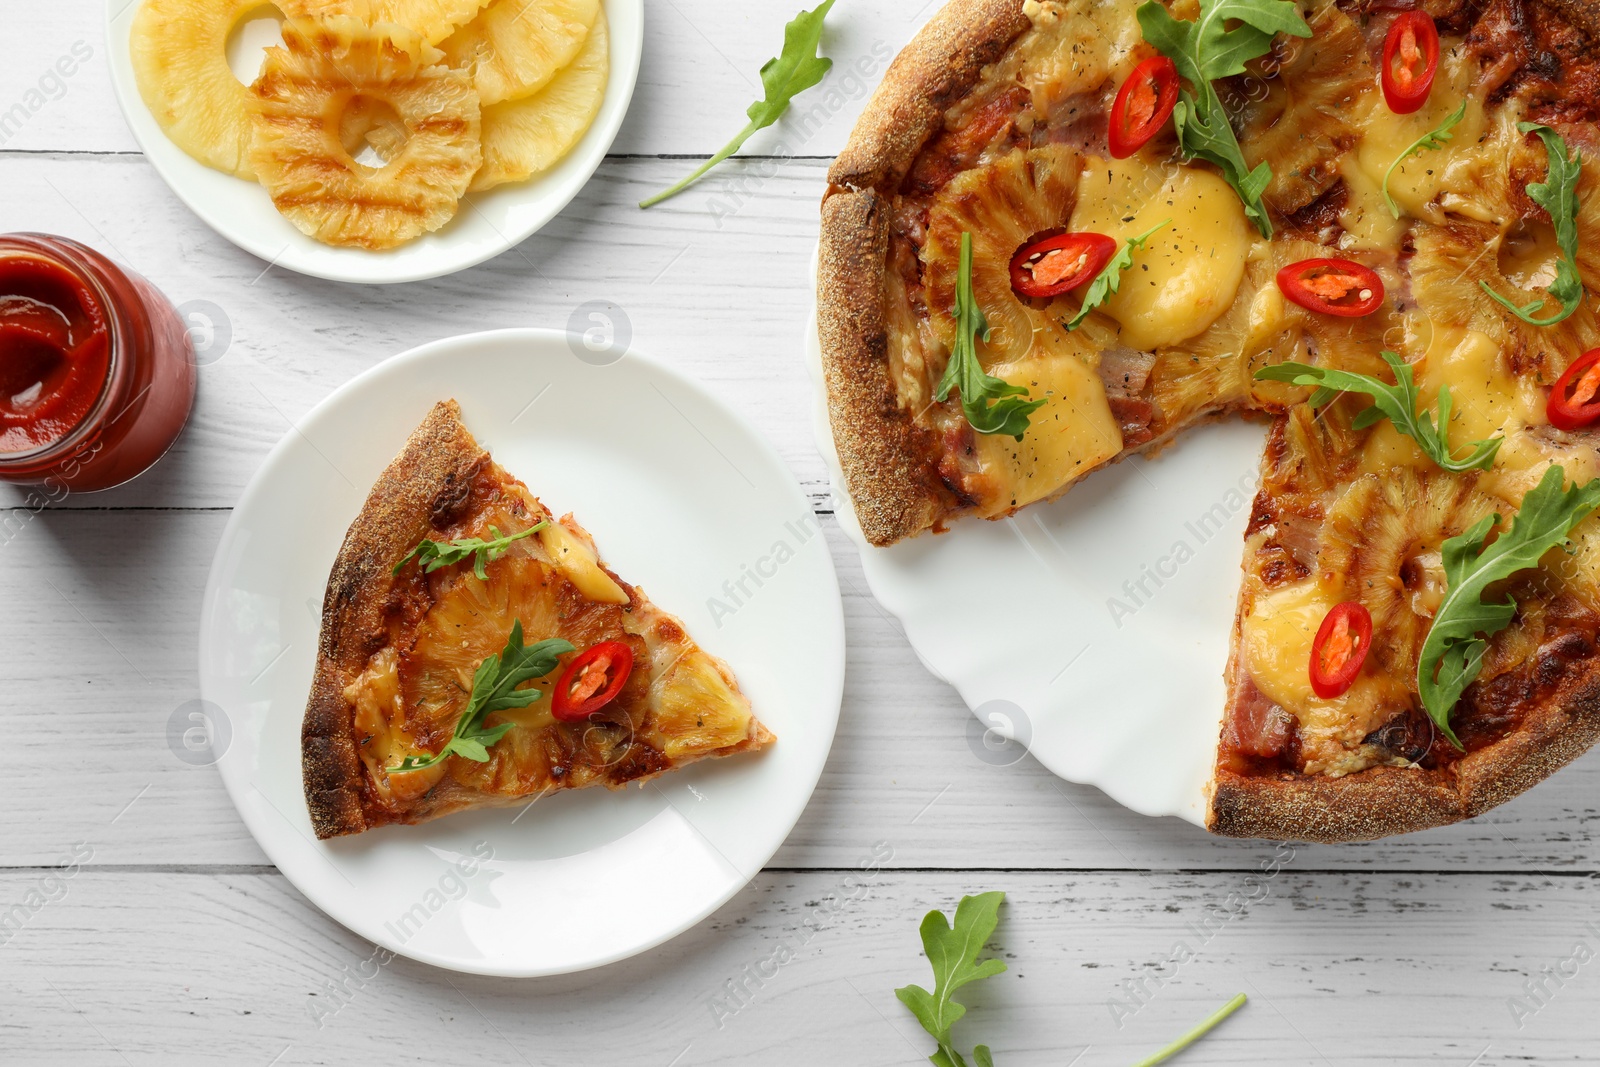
column 174, row 941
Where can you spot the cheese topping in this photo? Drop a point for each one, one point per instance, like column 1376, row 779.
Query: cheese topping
column 1187, row 273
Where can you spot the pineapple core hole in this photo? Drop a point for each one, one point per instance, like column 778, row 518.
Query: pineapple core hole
column 1528, row 255
column 258, row 30
column 372, row 131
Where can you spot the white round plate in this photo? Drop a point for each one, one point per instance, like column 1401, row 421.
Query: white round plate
column 486, row 225
column 681, row 496
column 1093, row 629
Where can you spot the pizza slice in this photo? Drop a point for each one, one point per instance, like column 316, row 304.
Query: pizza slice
column 476, row 652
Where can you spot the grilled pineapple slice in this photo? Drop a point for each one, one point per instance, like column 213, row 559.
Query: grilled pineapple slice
column 1002, row 205
column 523, row 137
column 434, row 20
column 180, row 61
column 1380, row 546
column 301, row 98
column 515, row 46
column 1305, row 120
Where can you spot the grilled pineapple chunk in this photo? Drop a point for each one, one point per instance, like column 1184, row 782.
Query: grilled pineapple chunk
column 524, row 137
column 515, row 47
column 180, row 61
column 299, row 154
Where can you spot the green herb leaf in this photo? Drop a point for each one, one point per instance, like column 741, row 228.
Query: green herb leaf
column 436, row 554
column 1398, row 403
column 494, row 688
column 1207, row 49
column 952, row 950
column 1109, row 280
column 1008, row 414
column 1205, row 1027
column 797, row 68
column 1557, row 194
column 1428, row 142
column 1452, row 653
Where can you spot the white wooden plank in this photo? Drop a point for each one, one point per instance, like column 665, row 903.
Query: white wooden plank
column 699, row 72
column 130, row 967
column 727, row 304
column 100, row 655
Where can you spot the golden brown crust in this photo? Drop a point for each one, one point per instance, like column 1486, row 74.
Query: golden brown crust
column 942, row 62
column 438, row 459
column 1584, row 14
column 1383, row 801
column 889, row 472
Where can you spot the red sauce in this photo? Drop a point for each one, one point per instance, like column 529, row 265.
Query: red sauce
column 97, row 373
column 54, row 352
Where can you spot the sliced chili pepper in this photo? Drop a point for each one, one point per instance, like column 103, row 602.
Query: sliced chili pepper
column 1575, row 398
column 1410, row 59
column 591, row 681
column 1050, row 266
column 1340, row 648
column 1332, row 287
column 1142, row 105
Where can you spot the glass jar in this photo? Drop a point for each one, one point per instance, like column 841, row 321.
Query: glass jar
column 97, row 371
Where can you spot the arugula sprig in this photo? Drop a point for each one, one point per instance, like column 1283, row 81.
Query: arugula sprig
column 952, row 950
column 952, row 946
column 1431, row 141
column 436, row 554
column 1398, row 403
column 797, row 68
column 1557, row 194
column 1109, row 280
column 494, row 688
column 1204, row 50
column 1452, row 653
column 1009, row 413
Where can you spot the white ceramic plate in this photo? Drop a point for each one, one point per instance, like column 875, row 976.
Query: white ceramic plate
column 487, row 224
column 681, row 496
column 1041, row 624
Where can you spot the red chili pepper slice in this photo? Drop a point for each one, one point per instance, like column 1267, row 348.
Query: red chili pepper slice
column 1142, row 105
column 1052, row 265
column 1332, row 287
column 591, row 681
column 1340, row 648
column 1575, row 398
column 1410, row 59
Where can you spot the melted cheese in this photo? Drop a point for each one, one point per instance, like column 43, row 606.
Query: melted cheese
column 1071, row 435
column 1275, row 641
column 1186, row 275
column 577, row 562
column 697, row 710
column 381, row 734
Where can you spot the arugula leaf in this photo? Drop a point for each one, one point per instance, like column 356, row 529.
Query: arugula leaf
column 953, row 953
column 1557, row 194
column 1452, row 653
column 1205, row 1026
column 494, row 688
column 1109, row 280
column 436, row 554
column 1008, row 414
column 1397, row 402
column 1428, row 142
column 1204, row 50
column 794, row 70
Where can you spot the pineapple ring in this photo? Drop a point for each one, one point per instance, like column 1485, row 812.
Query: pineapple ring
column 301, row 97
column 523, row 137
column 516, row 46
column 180, row 62
column 433, row 19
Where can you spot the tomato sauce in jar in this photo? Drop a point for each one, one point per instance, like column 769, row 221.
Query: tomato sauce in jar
column 97, row 372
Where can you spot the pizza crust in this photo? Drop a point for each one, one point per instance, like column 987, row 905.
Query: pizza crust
column 435, row 468
column 942, row 62
column 1383, row 801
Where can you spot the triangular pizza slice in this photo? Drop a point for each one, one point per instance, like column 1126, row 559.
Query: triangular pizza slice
column 476, row 652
